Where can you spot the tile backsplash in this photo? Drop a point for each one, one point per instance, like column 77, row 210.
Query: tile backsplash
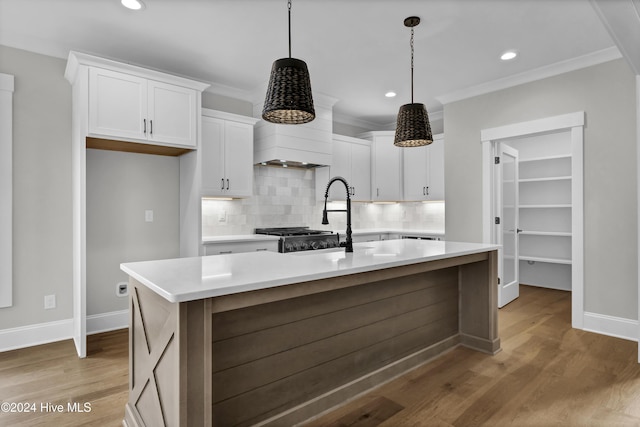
column 286, row 197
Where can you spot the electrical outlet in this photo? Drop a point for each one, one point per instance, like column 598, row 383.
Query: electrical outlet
column 49, row 302
column 222, row 216
column 122, row 289
column 148, row 215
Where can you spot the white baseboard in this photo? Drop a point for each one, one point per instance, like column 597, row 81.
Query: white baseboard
column 41, row 333
column 44, row 333
column 105, row 322
column 613, row 326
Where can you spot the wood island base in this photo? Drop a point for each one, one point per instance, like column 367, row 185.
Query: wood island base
column 282, row 355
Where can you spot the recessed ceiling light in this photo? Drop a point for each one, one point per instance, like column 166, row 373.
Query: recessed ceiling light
column 390, row 94
column 509, row 55
column 132, row 4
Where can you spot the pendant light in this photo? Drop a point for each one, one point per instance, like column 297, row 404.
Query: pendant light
column 289, row 99
column 413, row 128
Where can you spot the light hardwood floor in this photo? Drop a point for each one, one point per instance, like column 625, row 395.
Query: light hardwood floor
column 546, row 375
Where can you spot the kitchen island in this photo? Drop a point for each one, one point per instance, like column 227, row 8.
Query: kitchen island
column 274, row 339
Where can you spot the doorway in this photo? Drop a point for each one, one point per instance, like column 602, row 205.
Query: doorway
column 550, row 207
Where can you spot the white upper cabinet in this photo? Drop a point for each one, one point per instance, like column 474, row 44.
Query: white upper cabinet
column 117, row 104
column 386, row 166
column 172, row 114
column 350, row 159
column 360, row 172
column 227, row 154
column 424, row 171
column 131, row 107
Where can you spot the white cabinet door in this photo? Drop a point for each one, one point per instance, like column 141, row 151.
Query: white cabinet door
column 416, row 172
column 227, row 158
column 238, row 159
column 386, row 172
column 340, row 166
column 360, row 172
column 350, row 159
column 435, row 189
column 129, row 107
column 424, row 171
column 117, row 104
column 172, row 115
column 212, row 152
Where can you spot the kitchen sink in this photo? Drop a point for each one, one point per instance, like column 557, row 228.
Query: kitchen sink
column 330, row 250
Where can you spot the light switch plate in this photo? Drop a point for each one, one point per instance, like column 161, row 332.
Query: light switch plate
column 49, row 302
column 148, row 215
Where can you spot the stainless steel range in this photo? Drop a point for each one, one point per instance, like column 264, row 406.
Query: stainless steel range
column 294, row 239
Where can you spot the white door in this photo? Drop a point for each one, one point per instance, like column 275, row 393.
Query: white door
column 507, row 228
column 117, row 104
column 238, row 159
column 416, row 172
column 172, row 116
column 212, row 152
column 435, row 191
column 340, row 166
column 360, row 172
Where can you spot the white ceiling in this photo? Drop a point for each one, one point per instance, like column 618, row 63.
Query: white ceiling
column 356, row 50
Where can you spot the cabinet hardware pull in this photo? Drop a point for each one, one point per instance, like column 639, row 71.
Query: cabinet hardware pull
column 261, row 249
column 225, row 252
column 145, row 126
column 227, row 183
column 427, row 191
column 424, row 189
column 377, row 192
column 222, row 186
column 151, row 124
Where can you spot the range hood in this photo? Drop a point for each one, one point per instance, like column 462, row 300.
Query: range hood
column 304, row 146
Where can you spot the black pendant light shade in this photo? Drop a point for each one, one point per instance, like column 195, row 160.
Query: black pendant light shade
column 289, row 99
column 412, row 128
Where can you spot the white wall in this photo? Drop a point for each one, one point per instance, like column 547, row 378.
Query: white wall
column 41, row 188
column 6, row 189
column 606, row 93
column 120, row 188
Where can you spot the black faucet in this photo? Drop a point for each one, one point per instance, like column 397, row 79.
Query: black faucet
column 348, row 247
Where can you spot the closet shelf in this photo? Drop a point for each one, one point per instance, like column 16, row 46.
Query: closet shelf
column 568, row 205
column 546, row 179
column 544, row 158
column 545, row 233
column 547, row 260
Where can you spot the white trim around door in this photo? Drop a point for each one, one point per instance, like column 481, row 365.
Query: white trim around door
column 575, row 123
column 6, row 190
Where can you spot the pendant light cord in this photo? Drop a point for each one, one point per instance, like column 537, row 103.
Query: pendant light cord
column 411, row 64
column 289, row 7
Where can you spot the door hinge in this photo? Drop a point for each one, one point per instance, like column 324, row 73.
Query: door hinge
column 498, row 280
column 496, row 160
column 497, row 220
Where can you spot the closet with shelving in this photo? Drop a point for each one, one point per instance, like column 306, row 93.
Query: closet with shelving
column 545, row 205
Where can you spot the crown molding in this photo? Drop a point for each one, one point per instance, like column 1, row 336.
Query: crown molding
column 356, row 121
column 595, row 58
column 231, row 92
column 622, row 21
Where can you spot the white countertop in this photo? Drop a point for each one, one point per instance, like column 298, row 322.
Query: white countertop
column 187, row 279
column 362, row 231
column 239, row 238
